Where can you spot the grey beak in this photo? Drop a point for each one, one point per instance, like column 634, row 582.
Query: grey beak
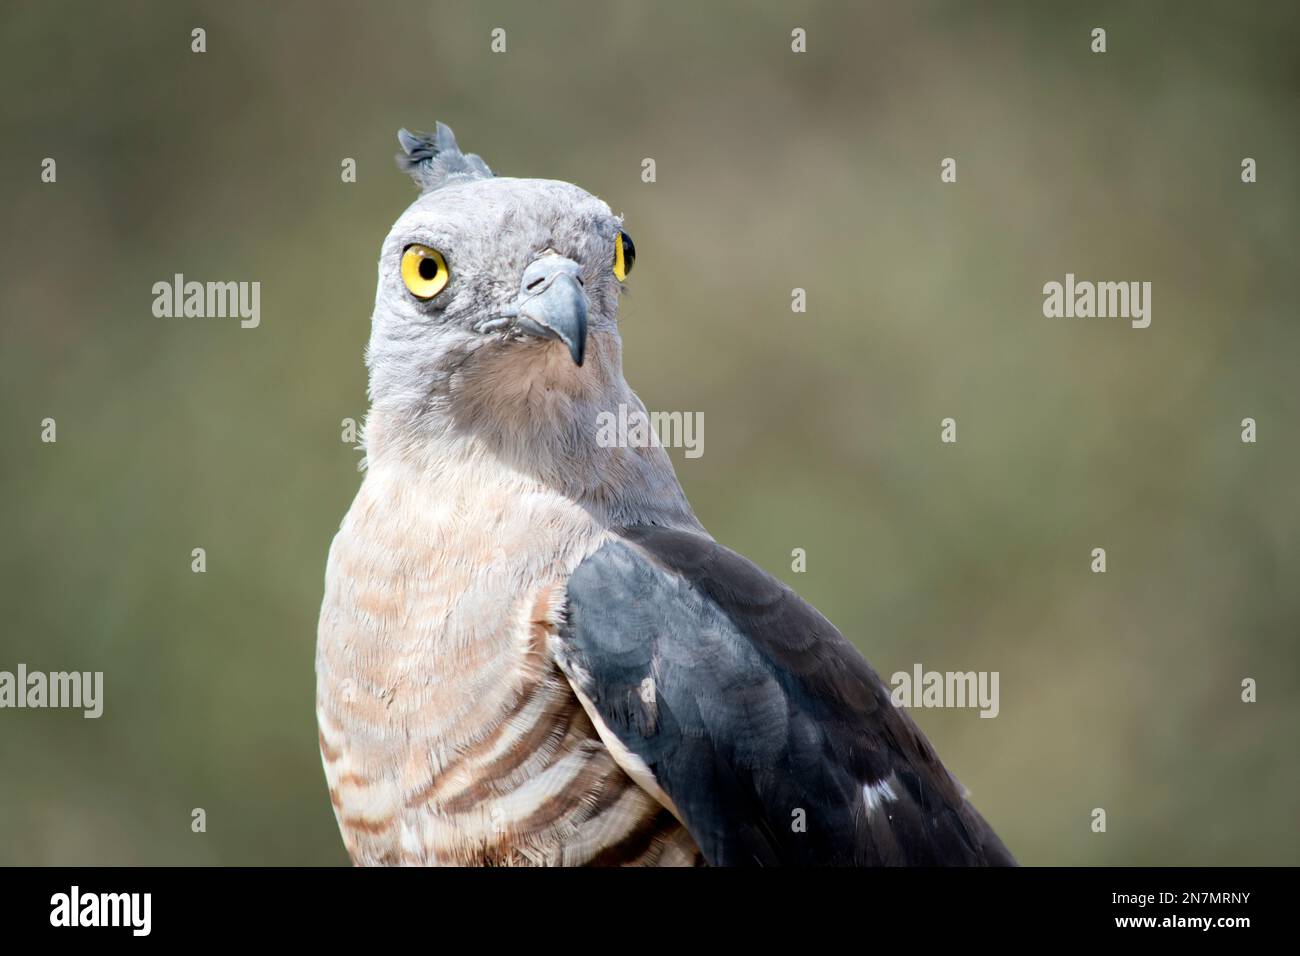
column 552, row 303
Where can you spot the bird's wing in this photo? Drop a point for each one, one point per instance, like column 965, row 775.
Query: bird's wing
column 751, row 717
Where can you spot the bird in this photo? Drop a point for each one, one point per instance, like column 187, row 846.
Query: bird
column 530, row 651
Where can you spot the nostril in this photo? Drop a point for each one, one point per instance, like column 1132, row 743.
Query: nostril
column 580, row 282
column 535, row 283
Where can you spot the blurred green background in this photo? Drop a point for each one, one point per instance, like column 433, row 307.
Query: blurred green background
column 775, row 170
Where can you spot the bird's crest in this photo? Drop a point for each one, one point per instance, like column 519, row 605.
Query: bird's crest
column 434, row 160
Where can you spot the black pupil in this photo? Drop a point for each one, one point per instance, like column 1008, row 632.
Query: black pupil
column 629, row 251
column 428, row 268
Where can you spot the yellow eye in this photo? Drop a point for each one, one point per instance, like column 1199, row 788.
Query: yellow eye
column 424, row 271
column 624, row 255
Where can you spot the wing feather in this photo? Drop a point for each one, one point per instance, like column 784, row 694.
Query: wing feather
column 772, row 738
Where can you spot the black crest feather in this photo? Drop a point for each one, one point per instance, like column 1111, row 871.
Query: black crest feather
column 433, row 160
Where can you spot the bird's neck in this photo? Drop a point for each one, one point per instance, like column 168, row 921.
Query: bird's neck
column 535, row 417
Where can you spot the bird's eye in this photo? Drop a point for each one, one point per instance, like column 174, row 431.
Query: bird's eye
column 424, row 271
column 624, row 255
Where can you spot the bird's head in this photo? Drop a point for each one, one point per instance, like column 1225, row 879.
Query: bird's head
column 493, row 287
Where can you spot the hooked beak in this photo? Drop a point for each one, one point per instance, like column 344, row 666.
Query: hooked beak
column 552, row 303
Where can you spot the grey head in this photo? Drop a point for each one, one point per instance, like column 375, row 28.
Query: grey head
column 509, row 281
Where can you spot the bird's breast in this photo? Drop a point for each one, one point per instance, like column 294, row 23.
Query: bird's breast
column 447, row 733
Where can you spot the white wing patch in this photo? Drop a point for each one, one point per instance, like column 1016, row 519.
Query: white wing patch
column 876, row 795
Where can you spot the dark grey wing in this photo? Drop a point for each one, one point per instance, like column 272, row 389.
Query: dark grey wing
column 772, row 737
